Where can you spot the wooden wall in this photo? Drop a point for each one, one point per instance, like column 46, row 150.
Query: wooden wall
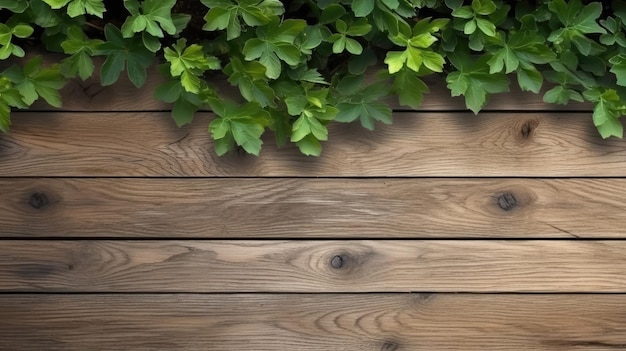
column 444, row 231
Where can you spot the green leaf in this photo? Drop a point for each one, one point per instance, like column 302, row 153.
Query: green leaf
column 618, row 68
column 228, row 15
column 353, row 46
column 474, row 81
column 310, row 146
column 275, row 44
column 122, row 53
column 529, row 80
column 488, row 28
column 77, row 8
column 367, row 112
column 464, row 12
column 152, row 16
column 332, row 13
column 409, row 88
column 395, row 61
column 250, row 78
column 362, row 8
column 242, row 125
column 606, row 113
column 561, row 95
column 81, row 49
column 34, row 81
column 22, row 31
column 585, row 21
column 15, row 6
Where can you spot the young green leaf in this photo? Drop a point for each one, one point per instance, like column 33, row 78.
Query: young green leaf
column 9, row 97
column 152, row 16
column 474, row 81
column 34, row 81
column 409, row 88
column 226, row 14
column 242, row 125
column 362, row 102
column 608, row 108
column 81, row 49
column 7, row 47
column 77, row 8
column 189, row 62
column 251, row 80
column 274, row 43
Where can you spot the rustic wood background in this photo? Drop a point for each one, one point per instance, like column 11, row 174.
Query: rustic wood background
column 503, row 231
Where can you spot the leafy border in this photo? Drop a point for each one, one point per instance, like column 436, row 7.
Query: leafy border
column 301, row 64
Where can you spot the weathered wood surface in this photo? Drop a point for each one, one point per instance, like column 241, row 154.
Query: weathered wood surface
column 434, row 144
column 371, row 322
column 310, row 208
column 89, row 95
column 77, row 186
column 313, row 266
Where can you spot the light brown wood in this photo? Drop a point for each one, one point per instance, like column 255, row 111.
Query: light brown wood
column 89, row 95
column 370, row 322
column 330, row 208
column 313, row 266
column 435, row 144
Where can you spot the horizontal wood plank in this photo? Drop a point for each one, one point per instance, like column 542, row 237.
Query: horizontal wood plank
column 313, row 266
column 369, row 322
column 89, row 95
column 308, row 208
column 435, row 144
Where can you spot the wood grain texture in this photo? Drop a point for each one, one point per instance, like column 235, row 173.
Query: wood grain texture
column 370, row 322
column 435, row 144
column 124, row 96
column 312, row 208
column 313, row 266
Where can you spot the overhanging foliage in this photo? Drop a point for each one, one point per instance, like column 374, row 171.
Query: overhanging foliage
column 300, row 65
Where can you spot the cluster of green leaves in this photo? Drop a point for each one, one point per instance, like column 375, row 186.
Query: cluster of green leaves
column 303, row 64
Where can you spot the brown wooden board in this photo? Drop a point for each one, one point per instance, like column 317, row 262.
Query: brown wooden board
column 363, row 322
column 432, row 144
column 308, row 208
column 313, row 266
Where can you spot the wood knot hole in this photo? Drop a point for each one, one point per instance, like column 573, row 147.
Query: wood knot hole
column 337, row 262
column 390, row 346
column 527, row 128
column 70, row 267
column 38, row 200
column 507, row 201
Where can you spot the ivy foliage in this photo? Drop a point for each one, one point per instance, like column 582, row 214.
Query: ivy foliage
column 301, row 65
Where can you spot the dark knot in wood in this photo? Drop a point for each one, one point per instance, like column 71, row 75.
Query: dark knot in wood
column 507, row 201
column 337, row 262
column 38, row 200
column 390, row 346
column 528, row 127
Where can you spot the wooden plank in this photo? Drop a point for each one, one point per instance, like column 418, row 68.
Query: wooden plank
column 437, row 144
column 364, row 322
column 313, row 266
column 124, row 96
column 312, row 208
